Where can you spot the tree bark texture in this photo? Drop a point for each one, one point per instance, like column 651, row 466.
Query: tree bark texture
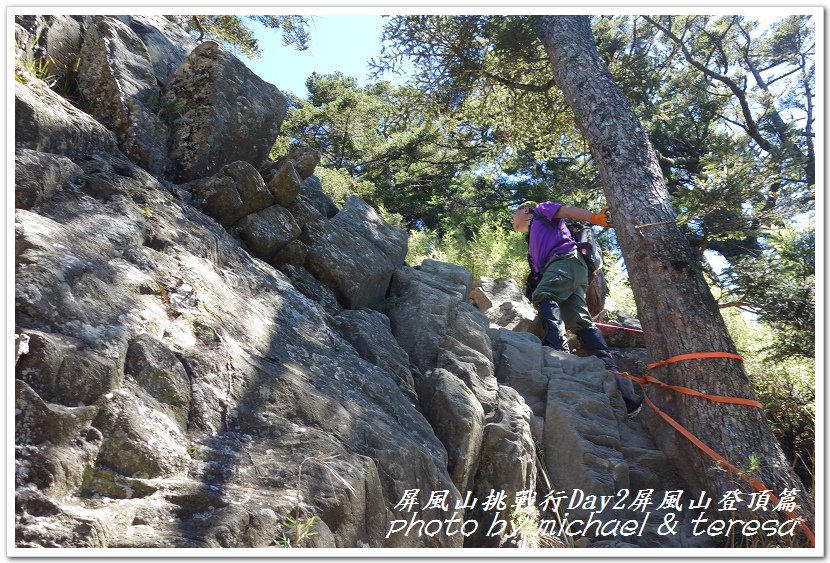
column 678, row 312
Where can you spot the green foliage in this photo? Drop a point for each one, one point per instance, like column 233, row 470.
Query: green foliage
column 786, row 388
column 297, row 531
column 491, row 250
column 387, row 145
column 524, row 520
column 36, row 67
column 338, row 185
column 778, row 285
column 620, row 295
column 63, row 81
column 235, row 31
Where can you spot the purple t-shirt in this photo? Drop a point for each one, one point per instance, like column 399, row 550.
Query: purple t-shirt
column 545, row 242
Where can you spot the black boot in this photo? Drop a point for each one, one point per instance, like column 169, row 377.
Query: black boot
column 554, row 327
column 594, row 343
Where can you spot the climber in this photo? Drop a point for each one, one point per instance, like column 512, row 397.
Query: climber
column 558, row 281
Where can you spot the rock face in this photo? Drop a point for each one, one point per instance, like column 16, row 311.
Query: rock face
column 209, row 353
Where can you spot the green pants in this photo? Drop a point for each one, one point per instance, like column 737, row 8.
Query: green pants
column 564, row 281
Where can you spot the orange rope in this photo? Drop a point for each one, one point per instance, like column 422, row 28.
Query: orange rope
column 686, row 391
column 694, row 439
column 757, row 485
column 682, row 357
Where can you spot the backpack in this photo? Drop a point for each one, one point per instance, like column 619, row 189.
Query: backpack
column 587, row 247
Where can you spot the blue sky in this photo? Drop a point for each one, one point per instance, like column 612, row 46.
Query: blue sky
column 346, row 42
column 337, row 42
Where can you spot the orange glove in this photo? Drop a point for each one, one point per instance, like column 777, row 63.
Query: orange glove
column 602, row 219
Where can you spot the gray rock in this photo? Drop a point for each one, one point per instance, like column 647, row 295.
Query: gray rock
column 355, row 253
column 420, row 314
column 503, row 303
column 119, row 88
column 262, row 360
column 455, row 276
column 64, row 370
column 37, row 175
column 138, row 439
column 159, row 372
column 582, row 440
column 267, row 231
column 235, row 191
column 474, row 368
column 285, row 185
column 508, row 462
column 21, row 346
column 310, row 287
column 63, row 38
column 54, row 445
column 458, row 420
column 167, row 43
column 46, row 122
column 628, row 335
column 231, row 114
column 312, row 189
column 37, row 422
column 294, row 253
column 519, row 365
column 304, row 211
column 303, row 159
column 370, row 334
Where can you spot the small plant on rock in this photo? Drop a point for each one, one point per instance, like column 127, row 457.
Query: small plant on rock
column 298, row 530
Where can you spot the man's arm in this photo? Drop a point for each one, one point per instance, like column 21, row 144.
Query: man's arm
column 603, row 218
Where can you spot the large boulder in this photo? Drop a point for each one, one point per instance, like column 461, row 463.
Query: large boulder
column 486, row 428
column 582, row 440
column 285, row 176
column 519, row 364
column 355, row 253
column 303, row 159
column 232, row 193
column 421, row 311
column 54, row 445
column 156, row 369
column 285, row 185
column 63, row 38
column 64, row 370
column 508, row 465
column 312, row 190
column 267, row 231
column 458, row 419
column 119, row 87
column 227, row 113
column 139, row 440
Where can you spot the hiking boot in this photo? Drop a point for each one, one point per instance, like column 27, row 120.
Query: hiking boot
column 555, row 336
column 633, row 407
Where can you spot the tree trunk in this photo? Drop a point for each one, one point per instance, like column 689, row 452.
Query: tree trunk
column 678, row 312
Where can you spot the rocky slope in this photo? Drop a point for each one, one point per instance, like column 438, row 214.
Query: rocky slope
column 211, row 353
